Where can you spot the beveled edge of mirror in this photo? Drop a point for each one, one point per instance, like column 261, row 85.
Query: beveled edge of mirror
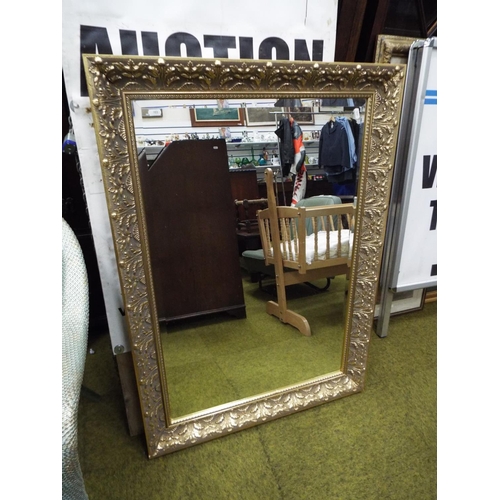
column 112, row 81
column 389, row 46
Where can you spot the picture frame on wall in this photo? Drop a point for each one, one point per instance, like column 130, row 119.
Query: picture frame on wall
column 262, row 117
column 303, row 115
column 151, row 112
column 216, row 117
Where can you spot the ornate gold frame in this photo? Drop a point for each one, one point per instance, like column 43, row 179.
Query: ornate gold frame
column 113, row 83
column 389, row 46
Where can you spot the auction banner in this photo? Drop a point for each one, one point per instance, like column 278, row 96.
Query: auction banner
column 260, row 29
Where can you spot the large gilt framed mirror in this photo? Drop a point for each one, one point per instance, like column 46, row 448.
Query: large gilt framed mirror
column 119, row 88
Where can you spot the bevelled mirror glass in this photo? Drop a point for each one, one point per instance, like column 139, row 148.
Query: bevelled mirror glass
column 215, row 348
column 219, row 343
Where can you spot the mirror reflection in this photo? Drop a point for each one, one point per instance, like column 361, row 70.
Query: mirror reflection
column 202, row 166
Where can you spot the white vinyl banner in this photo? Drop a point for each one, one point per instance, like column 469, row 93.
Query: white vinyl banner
column 260, row 29
column 417, row 266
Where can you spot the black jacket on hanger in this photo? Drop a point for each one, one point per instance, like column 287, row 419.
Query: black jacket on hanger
column 287, row 152
column 334, row 148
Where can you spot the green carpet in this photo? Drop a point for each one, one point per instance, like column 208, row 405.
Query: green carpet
column 379, row 444
column 218, row 359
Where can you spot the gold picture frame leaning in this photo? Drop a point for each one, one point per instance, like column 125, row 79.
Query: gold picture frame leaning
column 114, row 83
column 393, row 49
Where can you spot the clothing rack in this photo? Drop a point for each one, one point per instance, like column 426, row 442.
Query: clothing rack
column 337, row 112
column 333, row 112
column 330, row 113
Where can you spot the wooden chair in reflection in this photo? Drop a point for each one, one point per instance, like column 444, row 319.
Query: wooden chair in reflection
column 245, row 223
column 304, row 244
column 247, row 201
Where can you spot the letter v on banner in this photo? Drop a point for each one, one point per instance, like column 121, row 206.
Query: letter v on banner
column 409, row 262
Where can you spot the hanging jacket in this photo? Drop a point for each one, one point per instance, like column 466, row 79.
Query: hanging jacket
column 350, row 138
column 298, row 167
column 287, row 152
column 334, row 151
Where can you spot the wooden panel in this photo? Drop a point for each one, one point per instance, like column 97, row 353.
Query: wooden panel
column 244, row 187
column 191, row 223
column 128, row 382
column 350, row 20
column 373, row 25
column 244, row 184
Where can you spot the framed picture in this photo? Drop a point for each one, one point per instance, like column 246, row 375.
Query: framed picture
column 151, row 112
column 256, row 117
column 404, row 302
column 393, row 49
column 302, row 115
column 216, row 117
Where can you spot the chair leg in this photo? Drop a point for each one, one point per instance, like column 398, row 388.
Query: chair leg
column 289, row 317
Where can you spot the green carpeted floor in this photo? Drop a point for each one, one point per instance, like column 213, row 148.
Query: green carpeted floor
column 380, row 444
column 217, row 359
